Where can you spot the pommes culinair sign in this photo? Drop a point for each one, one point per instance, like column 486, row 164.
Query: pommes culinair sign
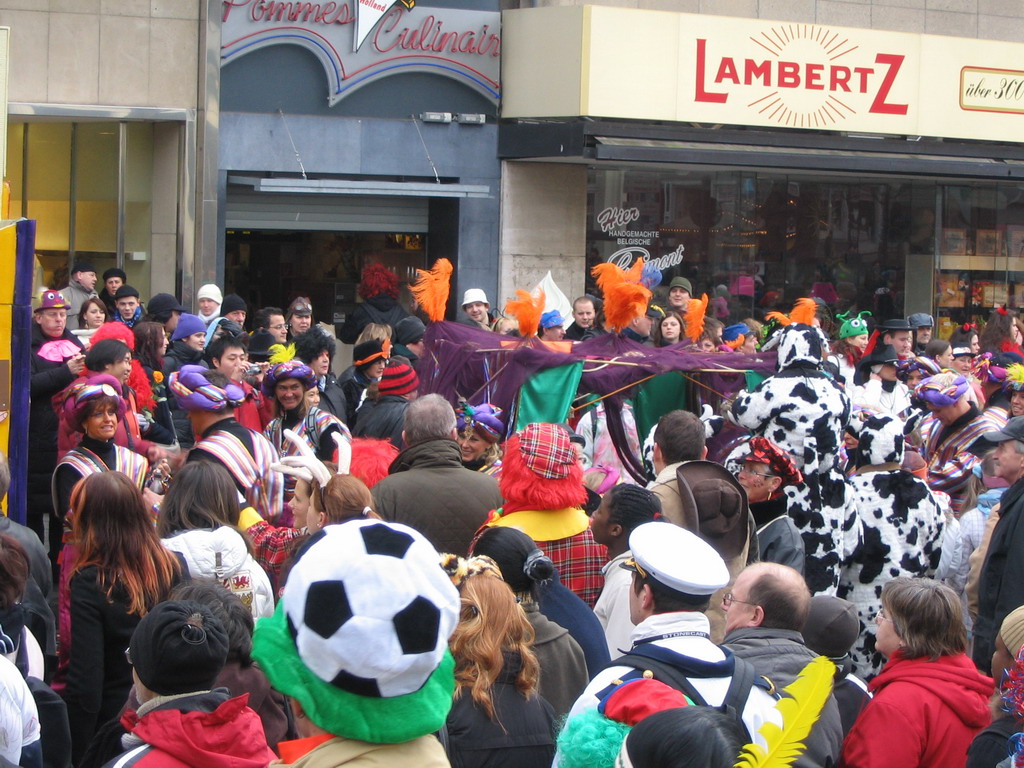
column 361, row 41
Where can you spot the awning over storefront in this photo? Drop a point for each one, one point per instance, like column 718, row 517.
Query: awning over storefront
column 590, row 141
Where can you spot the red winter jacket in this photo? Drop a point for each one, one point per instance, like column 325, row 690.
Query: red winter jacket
column 207, row 729
column 924, row 714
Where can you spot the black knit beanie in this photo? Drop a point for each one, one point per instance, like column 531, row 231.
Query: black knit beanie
column 179, row 647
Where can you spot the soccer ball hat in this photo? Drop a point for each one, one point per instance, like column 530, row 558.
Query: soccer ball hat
column 360, row 637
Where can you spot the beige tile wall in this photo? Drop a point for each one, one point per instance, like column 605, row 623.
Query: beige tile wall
column 987, row 19
column 543, row 213
column 138, row 53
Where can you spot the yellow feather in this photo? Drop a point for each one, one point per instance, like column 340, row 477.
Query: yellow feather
column 279, row 353
column 800, row 709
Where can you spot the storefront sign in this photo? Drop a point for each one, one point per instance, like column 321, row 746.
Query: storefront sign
column 731, row 71
column 992, row 90
column 361, row 41
column 626, row 257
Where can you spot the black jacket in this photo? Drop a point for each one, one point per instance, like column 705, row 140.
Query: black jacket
column 428, row 489
column 380, row 309
column 562, row 606
column 521, row 735
column 383, row 419
column 333, row 400
column 991, row 745
column 178, row 355
column 1001, row 586
column 352, row 386
column 47, row 379
column 99, row 676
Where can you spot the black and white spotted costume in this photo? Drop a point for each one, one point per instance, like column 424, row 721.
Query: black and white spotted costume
column 803, row 411
column 901, row 530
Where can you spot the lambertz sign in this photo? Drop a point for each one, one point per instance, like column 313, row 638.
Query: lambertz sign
column 361, row 41
column 754, row 72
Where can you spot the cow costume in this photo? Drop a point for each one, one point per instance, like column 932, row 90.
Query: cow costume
column 901, row 526
column 804, row 412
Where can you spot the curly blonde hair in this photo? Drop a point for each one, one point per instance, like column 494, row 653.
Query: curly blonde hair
column 491, row 627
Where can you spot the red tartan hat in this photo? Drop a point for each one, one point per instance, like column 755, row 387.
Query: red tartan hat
column 547, row 450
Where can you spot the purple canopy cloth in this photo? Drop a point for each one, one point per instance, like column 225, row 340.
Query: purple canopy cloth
column 460, row 362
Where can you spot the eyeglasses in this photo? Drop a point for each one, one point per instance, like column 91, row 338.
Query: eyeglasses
column 128, row 655
column 728, row 600
column 278, row 327
column 880, row 616
column 759, row 474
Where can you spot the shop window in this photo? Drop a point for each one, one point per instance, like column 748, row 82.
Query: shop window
column 71, row 178
column 271, row 267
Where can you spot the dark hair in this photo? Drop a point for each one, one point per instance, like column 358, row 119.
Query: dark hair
column 222, row 344
column 262, row 317
column 311, row 344
column 630, row 506
column 149, row 343
column 216, row 378
column 783, row 596
column 88, row 303
column 926, row 616
column 936, row 347
column 998, row 329
column 961, row 338
column 680, row 435
column 201, row 495
column 522, row 564
column 668, row 600
column 659, row 341
column 14, row 570
column 686, row 737
column 104, row 353
column 116, row 535
column 228, row 609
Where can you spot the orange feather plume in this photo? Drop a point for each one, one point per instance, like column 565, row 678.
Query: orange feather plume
column 527, row 310
column 432, row 287
column 804, row 311
column 696, row 309
column 625, row 298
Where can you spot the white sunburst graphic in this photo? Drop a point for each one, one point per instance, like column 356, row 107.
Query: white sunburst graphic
column 807, row 54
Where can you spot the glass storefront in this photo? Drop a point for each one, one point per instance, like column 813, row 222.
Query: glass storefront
column 89, row 185
column 271, row 268
column 757, row 241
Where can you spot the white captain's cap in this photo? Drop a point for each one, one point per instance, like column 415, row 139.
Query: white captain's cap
column 676, row 558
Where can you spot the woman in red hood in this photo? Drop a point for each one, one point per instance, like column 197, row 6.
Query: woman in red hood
column 929, row 700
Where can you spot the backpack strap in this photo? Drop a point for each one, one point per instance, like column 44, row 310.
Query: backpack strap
column 676, row 670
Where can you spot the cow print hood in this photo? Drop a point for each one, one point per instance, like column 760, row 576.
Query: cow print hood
column 801, row 344
column 881, row 439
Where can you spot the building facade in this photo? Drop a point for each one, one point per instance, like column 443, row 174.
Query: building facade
column 106, row 134
column 768, row 151
column 357, row 133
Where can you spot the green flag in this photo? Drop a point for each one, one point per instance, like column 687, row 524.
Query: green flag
column 548, row 394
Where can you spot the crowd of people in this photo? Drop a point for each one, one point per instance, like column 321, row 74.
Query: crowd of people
column 318, row 569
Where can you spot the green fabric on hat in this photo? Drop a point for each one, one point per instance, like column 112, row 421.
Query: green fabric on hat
column 375, row 720
column 548, row 394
